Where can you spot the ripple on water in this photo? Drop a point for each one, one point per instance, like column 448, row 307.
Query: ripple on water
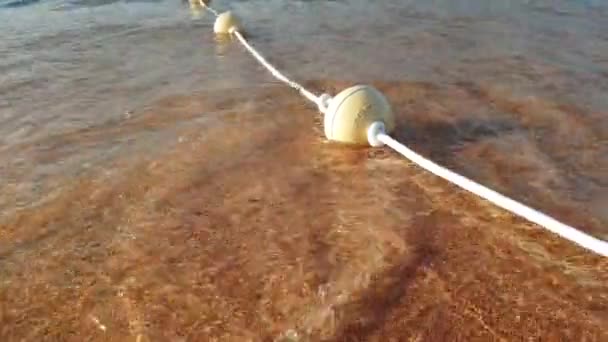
column 256, row 227
column 156, row 183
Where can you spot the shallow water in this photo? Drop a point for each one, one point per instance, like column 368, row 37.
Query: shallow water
column 156, row 183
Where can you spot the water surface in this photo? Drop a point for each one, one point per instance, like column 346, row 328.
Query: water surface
column 156, row 183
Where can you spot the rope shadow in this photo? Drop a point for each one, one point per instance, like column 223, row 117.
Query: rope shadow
column 439, row 140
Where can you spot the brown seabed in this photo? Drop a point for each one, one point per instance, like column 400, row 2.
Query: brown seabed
column 259, row 230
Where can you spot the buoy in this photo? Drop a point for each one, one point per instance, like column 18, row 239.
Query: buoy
column 225, row 22
column 351, row 113
column 199, row 2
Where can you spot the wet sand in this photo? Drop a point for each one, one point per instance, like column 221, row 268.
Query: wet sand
column 258, row 229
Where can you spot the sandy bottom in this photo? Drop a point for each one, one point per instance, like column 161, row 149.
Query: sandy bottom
column 257, row 229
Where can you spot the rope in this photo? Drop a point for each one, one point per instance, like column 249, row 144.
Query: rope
column 208, row 8
column 322, row 101
column 569, row 233
column 318, row 100
column 378, row 137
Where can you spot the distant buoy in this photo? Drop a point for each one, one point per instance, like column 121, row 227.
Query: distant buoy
column 199, row 2
column 351, row 113
column 225, row 23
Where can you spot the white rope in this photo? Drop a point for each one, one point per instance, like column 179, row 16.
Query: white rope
column 208, row 8
column 569, row 233
column 320, row 101
column 377, row 137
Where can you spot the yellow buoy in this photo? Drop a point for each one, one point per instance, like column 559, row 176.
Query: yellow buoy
column 225, row 22
column 351, row 113
column 199, row 2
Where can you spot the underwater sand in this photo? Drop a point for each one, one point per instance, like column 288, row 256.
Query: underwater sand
column 158, row 185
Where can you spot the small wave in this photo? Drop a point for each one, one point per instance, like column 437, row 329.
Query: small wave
column 73, row 4
column 18, row 3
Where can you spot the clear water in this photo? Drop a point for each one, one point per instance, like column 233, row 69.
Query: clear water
column 95, row 95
